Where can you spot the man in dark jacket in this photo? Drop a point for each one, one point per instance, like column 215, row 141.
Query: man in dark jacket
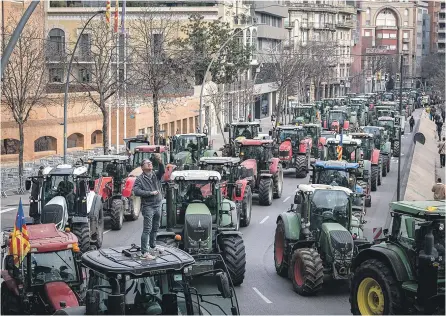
column 148, row 187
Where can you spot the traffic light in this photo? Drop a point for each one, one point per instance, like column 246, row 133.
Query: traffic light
column 378, row 76
column 387, row 77
column 398, row 77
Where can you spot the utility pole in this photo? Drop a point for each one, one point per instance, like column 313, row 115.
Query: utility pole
column 398, row 189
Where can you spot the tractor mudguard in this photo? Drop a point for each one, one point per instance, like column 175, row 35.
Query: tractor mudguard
column 128, row 187
column 229, row 232
column 274, row 165
column 393, row 256
column 292, row 224
column 101, row 187
column 285, row 145
column 265, row 175
column 57, row 292
column 79, row 219
column 10, row 282
column 375, row 156
column 244, row 184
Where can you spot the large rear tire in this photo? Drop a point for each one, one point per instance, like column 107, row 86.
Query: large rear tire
column 278, row 183
column 246, row 207
column 396, row 149
column 374, row 184
column 379, row 174
column 306, row 271
column 82, row 232
column 301, row 166
column 280, row 255
column 374, row 290
column 233, row 253
column 388, row 163
column 117, row 214
column 266, row 191
column 384, row 166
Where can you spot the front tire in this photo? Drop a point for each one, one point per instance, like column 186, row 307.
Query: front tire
column 280, row 255
column 278, row 183
column 266, row 191
column 374, row 184
column 82, row 232
column 233, row 253
column 301, row 166
column 384, row 166
column 306, row 271
column 374, row 279
column 117, row 215
column 246, row 207
column 396, row 149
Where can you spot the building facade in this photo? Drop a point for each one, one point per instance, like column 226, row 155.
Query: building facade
column 437, row 14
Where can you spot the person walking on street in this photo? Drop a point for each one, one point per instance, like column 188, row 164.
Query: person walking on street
column 439, row 190
column 439, row 124
column 442, row 151
column 148, row 187
column 443, row 113
column 411, row 123
column 432, row 112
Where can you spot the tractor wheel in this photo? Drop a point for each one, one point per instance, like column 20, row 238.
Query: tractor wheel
column 117, row 216
column 388, row 163
column 384, row 166
column 233, row 253
column 82, row 232
column 306, row 271
column 368, row 201
column 396, row 149
column 278, row 183
column 10, row 302
column 301, row 166
column 246, row 207
column 374, row 290
column 133, row 216
column 266, row 191
column 374, row 179
column 280, row 255
column 379, row 175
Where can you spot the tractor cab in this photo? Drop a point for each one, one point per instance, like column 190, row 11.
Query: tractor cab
column 335, row 119
column 302, row 113
column 378, row 132
column 115, row 167
column 243, row 130
column 314, row 131
column 121, row 283
column 149, row 152
column 133, row 142
column 226, row 166
column 48, row 275
column 291, row 133
column 367, row 144
column 388, row 123
column 187, row 149
column 350, row 148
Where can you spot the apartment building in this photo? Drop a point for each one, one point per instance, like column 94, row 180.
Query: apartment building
column 325, row 21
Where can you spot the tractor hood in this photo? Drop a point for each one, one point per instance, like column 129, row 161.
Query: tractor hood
column 197, row 209
column 55, row 211
column 339, row 238
column 250, row 164
column 285, row 146
column 58, row 292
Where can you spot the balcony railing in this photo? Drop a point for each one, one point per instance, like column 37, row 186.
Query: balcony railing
column 317, row 25
column 345, row 24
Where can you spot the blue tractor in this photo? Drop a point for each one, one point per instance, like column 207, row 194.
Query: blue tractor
column 344, row 174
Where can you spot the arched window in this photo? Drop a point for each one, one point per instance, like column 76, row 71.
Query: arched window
column 96, row 137
column 248, row 37
column 45, row 143
column 386, row 18
column 75, row 140
column 56, row 43
column 10, row 146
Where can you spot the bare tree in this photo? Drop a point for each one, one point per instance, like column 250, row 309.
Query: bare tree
column 160, row 68
column 433, row 70
column 25, row 76
column 383, row 63
column 216, row 97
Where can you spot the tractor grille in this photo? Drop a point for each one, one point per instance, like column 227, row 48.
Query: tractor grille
column 341, row 240
column 198, row 230
column 51, row 213
column 284, row 153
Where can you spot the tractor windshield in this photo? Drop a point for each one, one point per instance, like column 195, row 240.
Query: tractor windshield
column 139, row 156
column 305, row 112
column 252, row 152
column 187, row 143
column 59, row 185
column 294, row 134
column 248, row 131
column 333, row 177
column 337, row 116
column 311, row 131
column 224, row 171
column 347, row 151
column 329, row 205
column 53, row 266
column 355, row 108
column 195, row 190
column 388, row 124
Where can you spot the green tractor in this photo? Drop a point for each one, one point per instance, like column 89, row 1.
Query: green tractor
column 314, row 131
column 403, row 272
column 303, row 113
column 199, row 220
column 381, row 139
column 316, row 238
column 187, row 149
column 393, row 131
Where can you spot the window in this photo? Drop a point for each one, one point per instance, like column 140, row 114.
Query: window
column 304, row 36
column 405, row 46
column 56, row 74
column 380, row 35
column 386, row 35
column 84, row 75
column 406, row 35
column 368, row 11
column 85, row 46
column 406, row 12
column 386, row 18
column 392, row 47
column 56, row 45
column 157, row 43
column 392, row 35
column 366, row 33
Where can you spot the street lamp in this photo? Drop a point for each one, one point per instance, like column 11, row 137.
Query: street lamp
column 67, row 84
column 398, row 189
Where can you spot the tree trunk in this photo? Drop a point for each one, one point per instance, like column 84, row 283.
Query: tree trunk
column 279, row 108
column 21, row 149
column 221, row 127
column 105, row 130
column 156, row 119
column 373, row 85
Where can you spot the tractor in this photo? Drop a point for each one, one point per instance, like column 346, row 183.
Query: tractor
column 63, row 195
column 120, row 283
column 335, row 118
column 133, row 142
column 265, row 171
column 199, row 220
column 317, row 236
column 314, row 131
column 361, row 113
column 393, row 131
column 303, row 113
column 238, row 131
column 370, row 153
column 380, row 137
column 234, row 187
column 187, row 149
column 109, row 173
column 341, row 173
column 148, row 152
column 294, row 149
column 49, row 277
column 403, row 272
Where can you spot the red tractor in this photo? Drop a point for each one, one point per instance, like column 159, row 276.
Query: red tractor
column 335, row 118
column 148, row 152
column 264, row 172
column 48, row 279
column 133, row 142
column 294, row 148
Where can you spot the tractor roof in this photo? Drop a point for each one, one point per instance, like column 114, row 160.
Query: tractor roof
column 191, row 134
column 361, row 135
column 63, row 170
column 245, row 123
column 373, row 127
column 311, row 125
column 385, row 118
column 125, row 260
column 108, row 158
column 219, row 160
column 151, row 149
column 314, row 187
column 254, row 142
column 336, row 165
column 290, row 127
column 420, row 208
column 199, row 175
column 46, row 238
column 348, row 141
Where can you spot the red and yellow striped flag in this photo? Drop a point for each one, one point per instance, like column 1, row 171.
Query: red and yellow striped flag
column 20, row 245
column 107, row 12
column 339, row 151
column 116, row 16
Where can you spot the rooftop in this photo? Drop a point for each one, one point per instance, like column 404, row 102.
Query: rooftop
column 192, row 175
column 314, row 187
column 46, row 238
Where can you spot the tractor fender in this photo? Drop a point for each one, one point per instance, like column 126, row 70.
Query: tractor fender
column 375, row 156
column 391, row 255
column 128, row 187
column 60, row 291
column 244, row 184
column 100, row 186
column 10, row 282
column 292, row 224
column 274, row 165
column 266, row 175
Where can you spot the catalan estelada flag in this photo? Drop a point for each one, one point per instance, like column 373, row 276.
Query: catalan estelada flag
column 20, row 245
column 339, row 148
column 116, row 16
column 107, row 12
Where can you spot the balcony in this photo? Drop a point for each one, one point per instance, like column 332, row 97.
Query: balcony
column 345, row 24
column 441, row 40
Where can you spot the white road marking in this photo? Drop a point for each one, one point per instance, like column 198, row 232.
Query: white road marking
column 286, row 199
column 107, row 231
column 267, row 301
column 264, row 220
column 9, row 209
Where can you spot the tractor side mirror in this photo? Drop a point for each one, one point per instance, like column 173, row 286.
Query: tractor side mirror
column 205, row 141
column 297, row 199
column 27, row 184
column 260, row 129
column 92, row 301
column 223, row 285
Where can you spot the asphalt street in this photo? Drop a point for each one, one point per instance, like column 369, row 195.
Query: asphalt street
column 263, row 291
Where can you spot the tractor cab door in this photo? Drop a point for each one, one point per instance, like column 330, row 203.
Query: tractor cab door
column 80, row 204
column 34, row 198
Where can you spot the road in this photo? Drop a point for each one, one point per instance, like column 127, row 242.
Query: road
column 263, row 291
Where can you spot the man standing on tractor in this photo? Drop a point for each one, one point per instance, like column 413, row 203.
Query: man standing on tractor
column 148, row 187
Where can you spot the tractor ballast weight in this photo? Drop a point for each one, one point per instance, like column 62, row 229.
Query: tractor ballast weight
column 72, row 204
column 187, row 149
column 265, row 171
column 314, row 237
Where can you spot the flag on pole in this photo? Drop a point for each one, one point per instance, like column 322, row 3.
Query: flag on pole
column 20, row 245
column 116, row 16
column 123, row 17
column 339, row 148
column 107, row 12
